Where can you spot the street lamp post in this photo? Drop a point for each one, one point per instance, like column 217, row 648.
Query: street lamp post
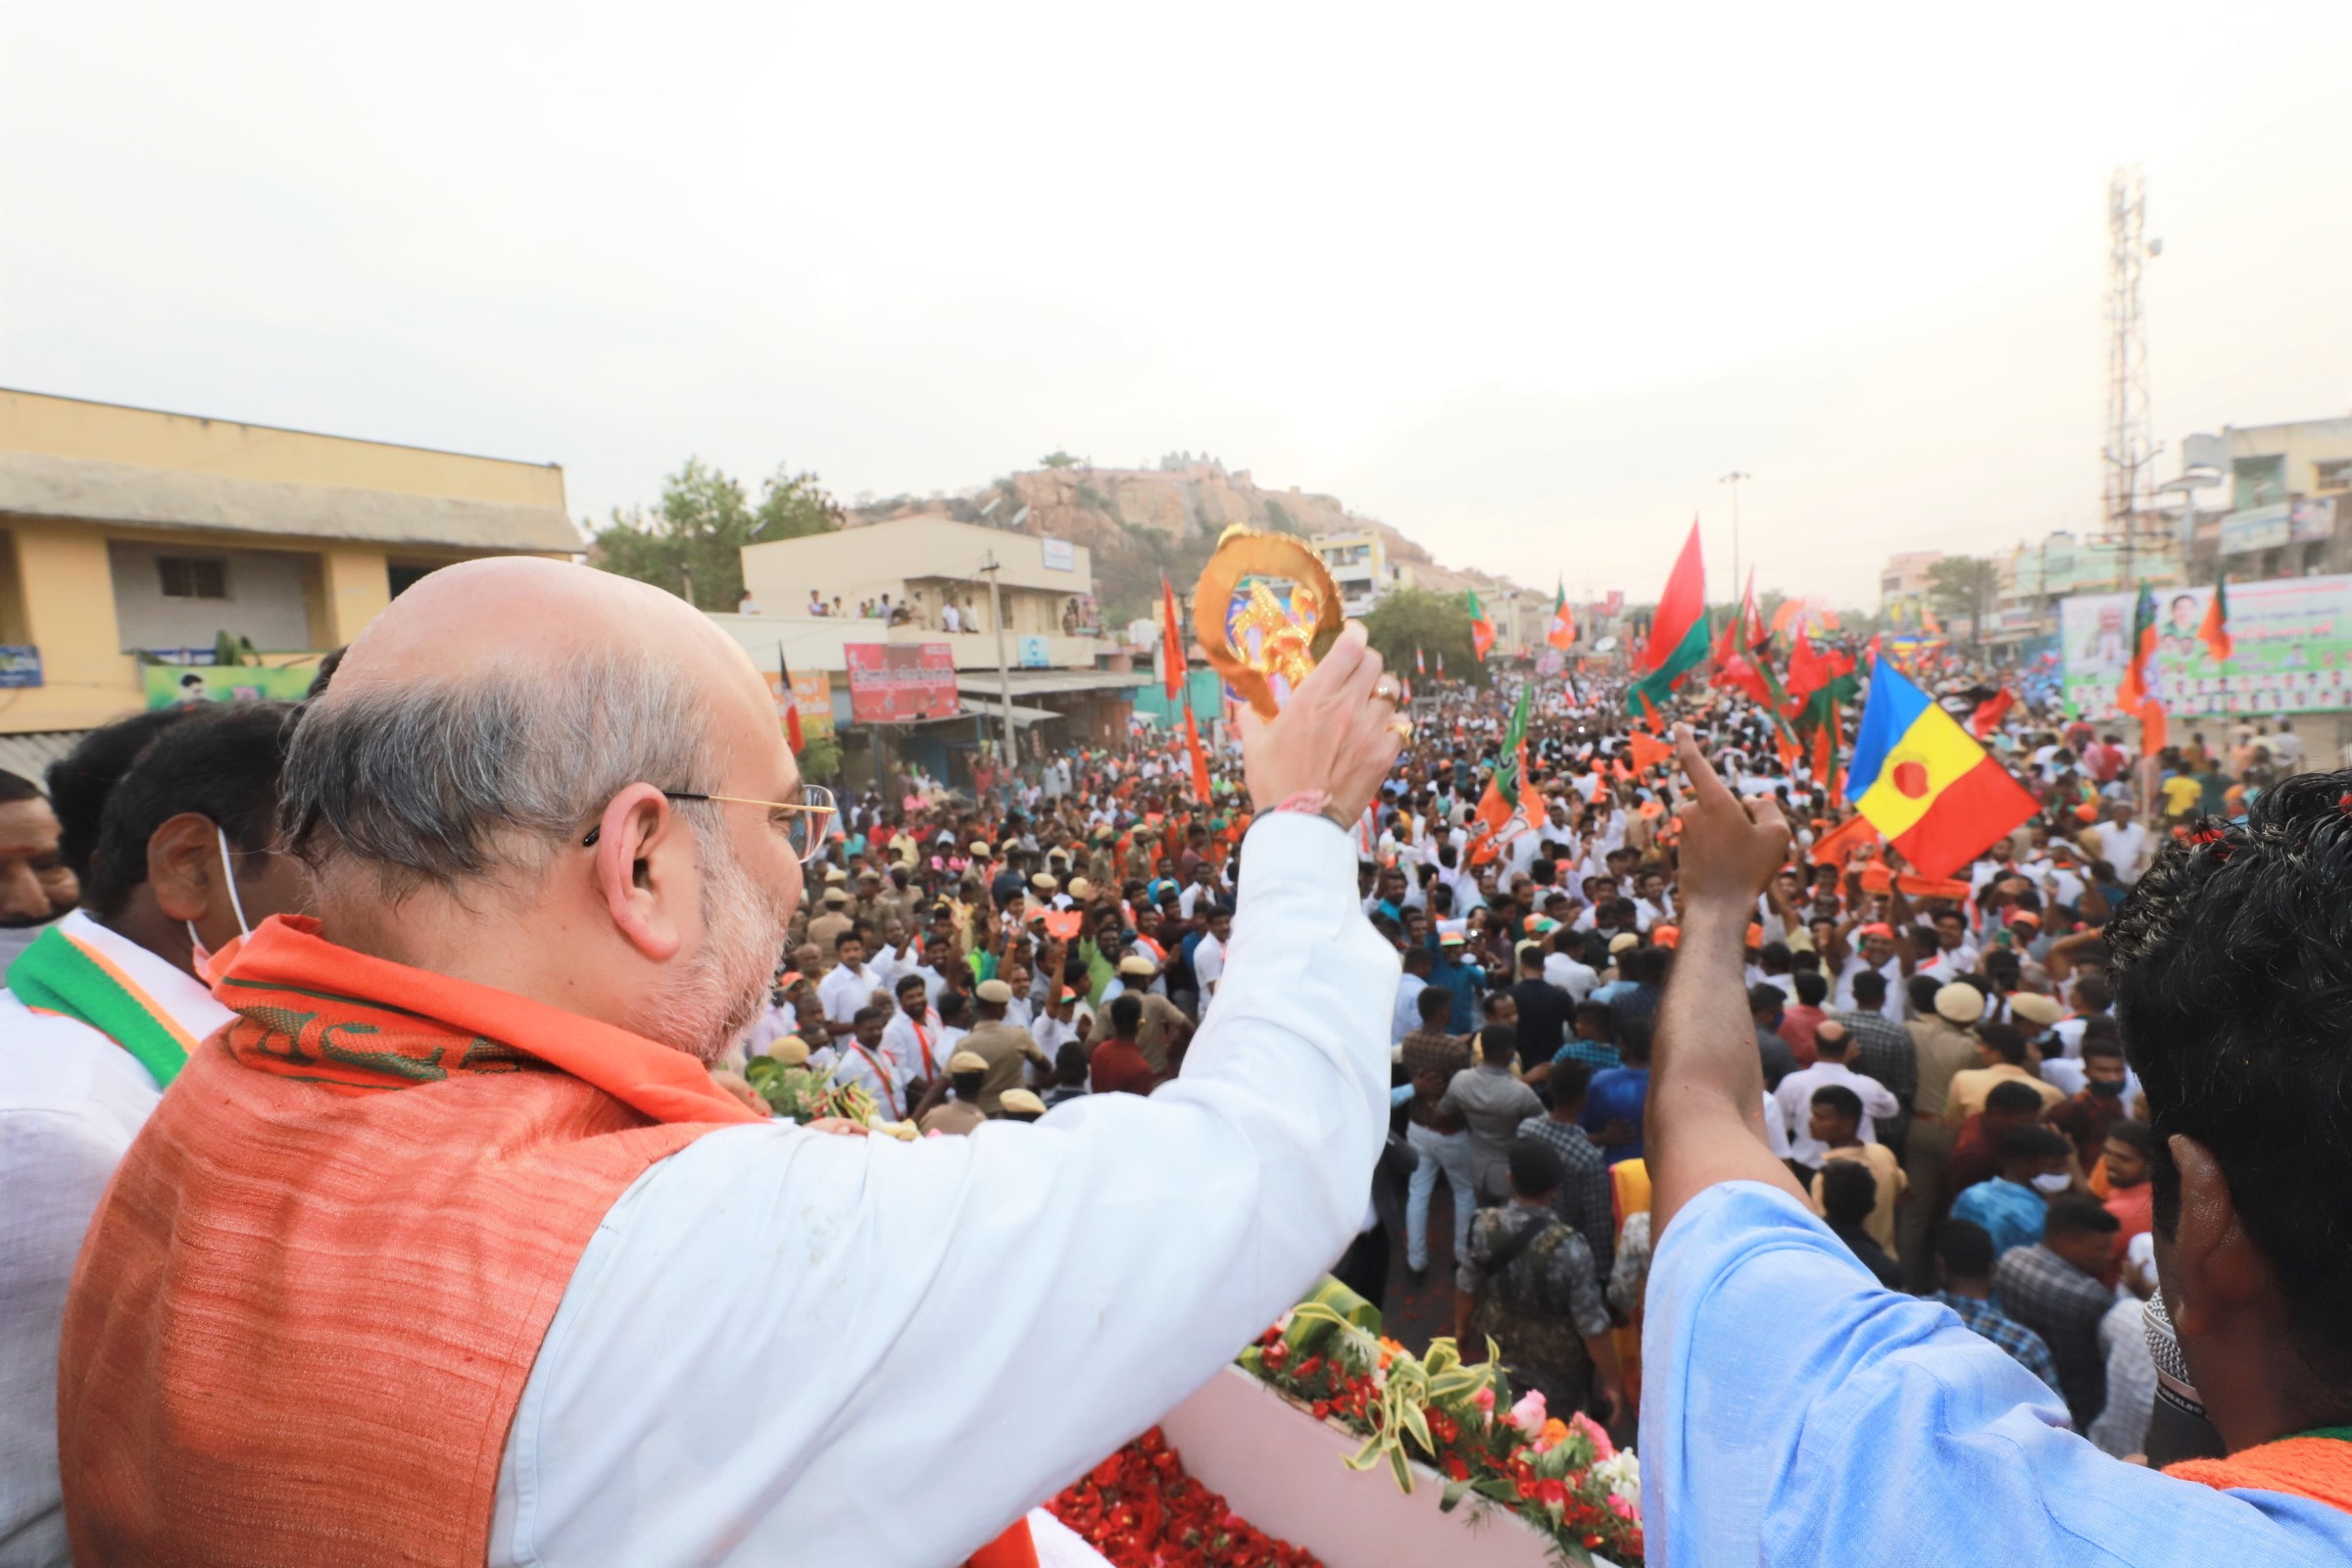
column 988, row 567
column 1733, row 479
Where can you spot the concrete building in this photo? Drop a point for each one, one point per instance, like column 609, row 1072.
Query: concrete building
column 2289, row 493
column 131, row 539
column 1358, row 563
column 1071, row 683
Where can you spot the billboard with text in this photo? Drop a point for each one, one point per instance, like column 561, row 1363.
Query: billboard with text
column 894, row 683
column 2292, row 654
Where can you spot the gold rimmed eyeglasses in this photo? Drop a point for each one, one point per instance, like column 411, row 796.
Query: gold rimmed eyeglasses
column 802, row 822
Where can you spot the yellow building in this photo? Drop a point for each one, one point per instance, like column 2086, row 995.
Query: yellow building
column 131, row 539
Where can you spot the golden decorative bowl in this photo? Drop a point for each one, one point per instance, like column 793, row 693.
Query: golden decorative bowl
column 1262, row 641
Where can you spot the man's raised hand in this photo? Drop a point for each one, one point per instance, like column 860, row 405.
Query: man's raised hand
column 1731, row 848
column 1335, row 735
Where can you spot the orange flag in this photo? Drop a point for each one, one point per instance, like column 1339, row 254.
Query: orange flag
column 1649, row 752
column 1834, row 847
column 1192, row 741
column 1171, row 640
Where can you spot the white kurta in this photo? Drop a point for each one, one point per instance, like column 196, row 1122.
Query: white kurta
column 782, row 1347
column 71, row 1101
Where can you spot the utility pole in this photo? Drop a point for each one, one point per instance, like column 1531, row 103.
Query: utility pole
column 988, row 568
column 1733, row 479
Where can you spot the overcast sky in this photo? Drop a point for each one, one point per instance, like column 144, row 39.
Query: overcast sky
column 1522, row 280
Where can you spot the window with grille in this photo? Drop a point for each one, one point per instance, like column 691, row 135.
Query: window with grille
column 192, row 577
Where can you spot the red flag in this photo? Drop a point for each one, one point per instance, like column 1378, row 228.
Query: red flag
column 1192, row 741
column 1171, row 641
column 1681, row 608
column 789, row 701
column 1989, row 713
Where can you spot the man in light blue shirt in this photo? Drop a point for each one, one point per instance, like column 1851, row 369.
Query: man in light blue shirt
column 2012, row 1205
column 1921, row 1443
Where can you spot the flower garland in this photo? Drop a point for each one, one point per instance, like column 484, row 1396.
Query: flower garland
column 1140, row 1509
column 1565, row 1478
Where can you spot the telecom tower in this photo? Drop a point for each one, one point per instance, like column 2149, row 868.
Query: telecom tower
column 2131, row 449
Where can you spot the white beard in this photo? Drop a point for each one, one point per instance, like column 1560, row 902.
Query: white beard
column 712, row 996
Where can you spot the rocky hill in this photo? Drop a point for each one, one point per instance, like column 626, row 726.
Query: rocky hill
column 1142, row 523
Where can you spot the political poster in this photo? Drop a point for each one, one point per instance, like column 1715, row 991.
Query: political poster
column 2292, row 654
column 170, row 685
column 895, row 683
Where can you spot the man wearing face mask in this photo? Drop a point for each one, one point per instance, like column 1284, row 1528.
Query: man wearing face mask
column 36, row 885
column 100, row 1015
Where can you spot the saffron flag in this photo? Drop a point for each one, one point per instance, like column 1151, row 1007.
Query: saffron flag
column 1649, row 752
column 2215, row 631
column 1991, row 712
column 1937, row 796
column 790, row 702
column 1420, row 664
column 1563, row 624
column 1171, row 641
column 1481, row 629
column 1192, row 743
column 2153, row 728
column 1677, row 632
column 1441, row 664
column 2131, row 693
column 1504, row 786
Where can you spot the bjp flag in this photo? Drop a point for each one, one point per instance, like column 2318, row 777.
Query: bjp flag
column 1924, row 782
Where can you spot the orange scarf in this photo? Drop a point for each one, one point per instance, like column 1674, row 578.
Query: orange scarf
column 308, row 1307
column 2301, row 1466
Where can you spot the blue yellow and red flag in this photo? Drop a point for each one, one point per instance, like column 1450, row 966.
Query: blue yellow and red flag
column 1939, row 797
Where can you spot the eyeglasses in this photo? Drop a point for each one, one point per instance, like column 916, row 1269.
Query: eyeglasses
column 803, row 823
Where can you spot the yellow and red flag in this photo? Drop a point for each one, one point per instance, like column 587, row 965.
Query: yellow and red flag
column 1924, row 782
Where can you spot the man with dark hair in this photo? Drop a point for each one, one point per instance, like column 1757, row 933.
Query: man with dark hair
column 1440, row 1138
column 1883, row 1051
column 1834, row 1122
column 1849, row 1195
column 1584, row 1201
column 36, row 885
column 1117, row 1065
column 2125, row 1161
column 1964, row 1265
column 1977, row 1152
column 1765, row 1006
column 1872, row 1395
column 2056, row 1288
column 100, row 1015
column 1527, row 1279
column 1833, row 1048
column 80, row 781
column 2012, row 1205
column 2001, row 1058
column 1805, row 1014
column 1592, row 1037
column 1491, row 1103
column 1544, row 1008
column 2086, row 1116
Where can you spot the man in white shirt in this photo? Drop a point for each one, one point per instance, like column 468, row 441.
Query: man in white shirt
column 911, row 1038
column 1209, row 954
column 1405, row 1016
column 1564, row 969
column 73, row 1095
column 2121, row 841
column 849, row 985
column 1148, row 1235
column 1831, row 1046
column 1880, row 954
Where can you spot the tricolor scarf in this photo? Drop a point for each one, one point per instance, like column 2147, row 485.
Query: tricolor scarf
column 2317, row 1465
column 59, row 975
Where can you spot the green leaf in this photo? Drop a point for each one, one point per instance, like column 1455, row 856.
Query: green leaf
column 1456, row 1492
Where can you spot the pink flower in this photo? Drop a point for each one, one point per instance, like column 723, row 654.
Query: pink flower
column 1602, row 1448
column 1620, row 1507
column 1527, row 1415
column 1484, row 1398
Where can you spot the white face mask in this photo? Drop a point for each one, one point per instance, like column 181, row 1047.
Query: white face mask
column 200, row 958
column 2052, row 1183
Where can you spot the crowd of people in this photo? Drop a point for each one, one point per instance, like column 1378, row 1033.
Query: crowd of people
column 1748, row 1132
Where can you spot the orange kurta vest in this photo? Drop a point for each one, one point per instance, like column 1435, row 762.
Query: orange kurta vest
column 309, row 1303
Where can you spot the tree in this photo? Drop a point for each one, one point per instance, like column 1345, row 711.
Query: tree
column 1057, row 459
column 1963, row 585
column 1437, row 625
column 693, row 543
